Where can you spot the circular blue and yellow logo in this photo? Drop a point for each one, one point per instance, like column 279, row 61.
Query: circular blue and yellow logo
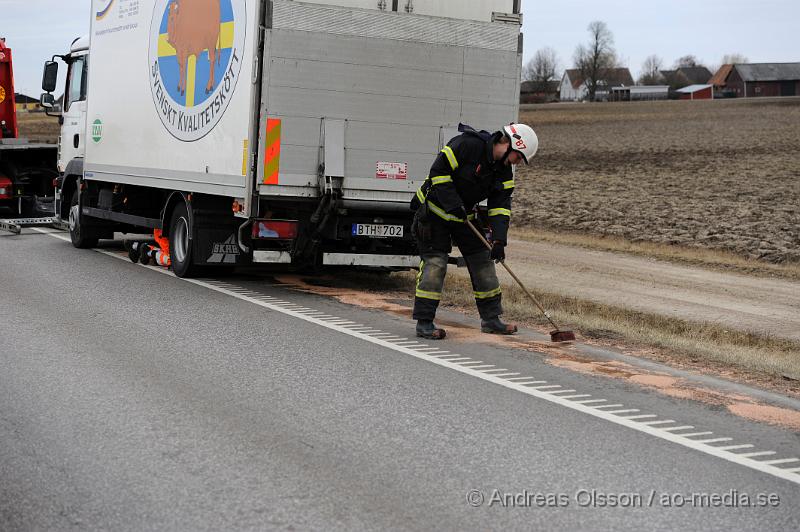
column 196, row 54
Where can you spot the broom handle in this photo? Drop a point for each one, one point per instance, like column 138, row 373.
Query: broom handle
column 489, row 246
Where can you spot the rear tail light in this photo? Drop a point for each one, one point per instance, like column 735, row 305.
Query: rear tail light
column 275, row 229
column 6, row 187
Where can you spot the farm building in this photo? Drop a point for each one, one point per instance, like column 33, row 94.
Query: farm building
column 685, row 76
column 639, row 93
column 697, row 92
column 764, row 79
column 26, row 103
column 573, row 87
column 538, row 92
column 720, row 82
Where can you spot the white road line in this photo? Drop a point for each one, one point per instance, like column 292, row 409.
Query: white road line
column 548, row 387
column 768, row 467
column 692, row 434
column 575, row 396
column 521, row 379
column 641, row 416
column 591, row 401
column 563, row 391
column 494, row 371
column 660, row 422
column 625, row 411
column 732, row 447
column 781, row 461
column 507, row 374
column 759, row 453
column 714, row 440
column 682, row 427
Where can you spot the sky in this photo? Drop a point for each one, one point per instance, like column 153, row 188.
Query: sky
column 761, row 30
column 764, row 31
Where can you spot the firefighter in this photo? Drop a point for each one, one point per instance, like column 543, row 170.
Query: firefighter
column 474, row 166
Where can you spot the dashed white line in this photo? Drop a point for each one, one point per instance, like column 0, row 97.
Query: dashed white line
column 714, row 440
column 732, row 447
column 781, row 461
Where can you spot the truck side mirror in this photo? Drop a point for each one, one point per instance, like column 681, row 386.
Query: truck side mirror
column 47, row 100
column 50, row 77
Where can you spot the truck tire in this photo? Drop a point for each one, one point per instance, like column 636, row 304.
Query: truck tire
column 80, row 236
column 180, row 242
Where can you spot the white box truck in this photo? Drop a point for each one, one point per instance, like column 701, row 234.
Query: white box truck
column 274, row 131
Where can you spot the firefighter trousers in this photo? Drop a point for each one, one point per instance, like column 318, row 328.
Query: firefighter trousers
column 434, row 239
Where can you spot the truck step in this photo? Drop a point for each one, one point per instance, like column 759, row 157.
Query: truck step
column 15, row 225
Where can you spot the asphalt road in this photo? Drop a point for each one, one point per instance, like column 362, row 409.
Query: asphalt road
column 133, row 400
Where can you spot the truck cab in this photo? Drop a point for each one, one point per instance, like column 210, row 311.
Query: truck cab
column 72, row 117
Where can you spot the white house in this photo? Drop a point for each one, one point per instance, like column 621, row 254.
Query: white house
column 574, row 89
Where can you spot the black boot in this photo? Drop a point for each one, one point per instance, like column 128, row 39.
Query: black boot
column 495, row 326
column 426, row 329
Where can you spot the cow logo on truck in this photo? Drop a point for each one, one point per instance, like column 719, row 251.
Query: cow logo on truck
column 196, row 52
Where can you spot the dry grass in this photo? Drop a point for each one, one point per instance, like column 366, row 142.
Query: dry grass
column 691, row 342
column 720, row 260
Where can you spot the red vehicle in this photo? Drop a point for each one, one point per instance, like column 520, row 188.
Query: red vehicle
column 27, row 169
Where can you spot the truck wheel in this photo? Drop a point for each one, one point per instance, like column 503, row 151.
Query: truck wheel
column 81, row 237
column 180, row 242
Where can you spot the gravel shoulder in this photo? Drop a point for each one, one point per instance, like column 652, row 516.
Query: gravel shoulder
column 756, row 304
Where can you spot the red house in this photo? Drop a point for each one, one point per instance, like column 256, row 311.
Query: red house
column 696, row 92
column 765, row 79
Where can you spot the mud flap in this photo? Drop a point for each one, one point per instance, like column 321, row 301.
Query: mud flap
column 215, row 242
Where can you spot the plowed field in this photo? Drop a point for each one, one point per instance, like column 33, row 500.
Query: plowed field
column 719, row 174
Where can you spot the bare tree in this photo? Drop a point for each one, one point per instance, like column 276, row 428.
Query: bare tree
column 651, row 71
column 541, row 68
column 734, row 59
column 597, row 58
column 688, row 61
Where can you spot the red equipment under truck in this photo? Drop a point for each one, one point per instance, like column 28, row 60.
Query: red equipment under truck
column 27, row 169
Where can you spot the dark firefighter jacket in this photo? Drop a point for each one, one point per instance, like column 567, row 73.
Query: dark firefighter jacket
column 464, row 174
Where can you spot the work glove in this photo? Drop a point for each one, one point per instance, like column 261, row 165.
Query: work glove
column 498, row 253
column 459, row 212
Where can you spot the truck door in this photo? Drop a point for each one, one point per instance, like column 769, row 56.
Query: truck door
column 72, row 143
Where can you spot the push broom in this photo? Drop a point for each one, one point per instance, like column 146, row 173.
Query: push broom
column 555, row 336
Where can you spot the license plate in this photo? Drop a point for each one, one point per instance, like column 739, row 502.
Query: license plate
column 378, row 230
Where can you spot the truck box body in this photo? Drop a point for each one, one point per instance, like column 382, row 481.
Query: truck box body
column 396, row 84
column 292, row 99
column 142, row 129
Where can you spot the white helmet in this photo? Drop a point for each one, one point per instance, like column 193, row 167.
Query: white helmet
column 523, row 140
